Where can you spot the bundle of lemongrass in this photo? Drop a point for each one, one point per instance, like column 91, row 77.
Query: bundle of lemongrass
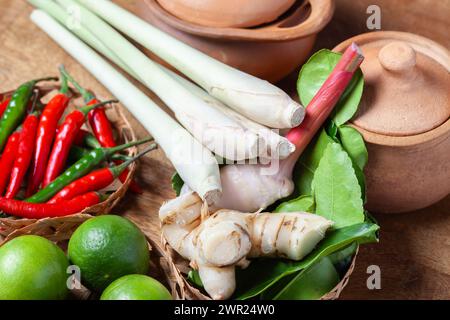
column 227, row 113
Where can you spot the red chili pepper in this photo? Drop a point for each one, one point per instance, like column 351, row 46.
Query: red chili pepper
column 45, row 135
column 80, row 138
column 102, row 128
column 44, row 210
column 24, row 154
column 103, row 131
column 3, row 106
column 7, row 159
column 64, row 140
column 96, row 180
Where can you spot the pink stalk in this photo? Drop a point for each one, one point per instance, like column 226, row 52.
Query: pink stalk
column 321, row 106
column 246, row 188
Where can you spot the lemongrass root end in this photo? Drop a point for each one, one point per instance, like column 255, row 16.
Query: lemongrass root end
column 297, row 113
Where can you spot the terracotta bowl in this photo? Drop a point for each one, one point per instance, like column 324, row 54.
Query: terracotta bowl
column 410, row 171
column 269, row 52
column 227, row 13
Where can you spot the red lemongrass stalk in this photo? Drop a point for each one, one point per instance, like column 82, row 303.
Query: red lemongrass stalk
column 323, row 103
column 247, row 188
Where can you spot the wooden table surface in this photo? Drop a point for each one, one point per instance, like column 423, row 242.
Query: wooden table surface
column 414, row 250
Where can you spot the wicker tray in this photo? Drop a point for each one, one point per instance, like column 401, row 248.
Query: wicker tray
column 178, row 268
column 60, row 228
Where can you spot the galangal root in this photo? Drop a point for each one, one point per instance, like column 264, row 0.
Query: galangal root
column 215, row 244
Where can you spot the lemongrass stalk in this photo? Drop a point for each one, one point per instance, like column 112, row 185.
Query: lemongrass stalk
column 219, row 133
column 257, row 99
column 272, row 146
column 276, row 146
column 67, row 20
column 195, row 164
column 322, row 104
column 247, row 187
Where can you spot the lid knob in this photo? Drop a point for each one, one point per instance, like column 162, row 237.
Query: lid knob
column 397, row 57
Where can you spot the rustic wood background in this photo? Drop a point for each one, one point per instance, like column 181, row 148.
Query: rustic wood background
column 414, row 251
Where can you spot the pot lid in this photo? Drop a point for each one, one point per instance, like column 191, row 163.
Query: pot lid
column 406, row 87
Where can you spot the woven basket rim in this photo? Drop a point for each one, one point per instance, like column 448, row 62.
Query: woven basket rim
column 185, row 291
column 12, row 227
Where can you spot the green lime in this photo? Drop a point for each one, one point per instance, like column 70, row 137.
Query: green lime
column 32, row 268
column 136, row 287
column 106, row 248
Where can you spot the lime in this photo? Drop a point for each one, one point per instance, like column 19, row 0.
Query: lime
column 136, row 287
column 106, row 248
column 32, row 268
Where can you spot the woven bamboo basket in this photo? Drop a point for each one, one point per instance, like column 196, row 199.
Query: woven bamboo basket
column 178, row 269
column 59, row 229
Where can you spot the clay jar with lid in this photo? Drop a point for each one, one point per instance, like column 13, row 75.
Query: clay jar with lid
column 404, row 119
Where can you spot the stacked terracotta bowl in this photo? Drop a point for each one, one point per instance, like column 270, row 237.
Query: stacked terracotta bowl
column 266, row 38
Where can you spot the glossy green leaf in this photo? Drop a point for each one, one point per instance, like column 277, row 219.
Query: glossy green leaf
column 370, row 218
column 347, row 106
column 311, row 283
column 314, row 73
column 177, row 183
column 361, row 181
column 194, row 278
column 263, row 273
column 300, row 204
column 344, row 253
column 308, row 162
column 343, row 258
column 353, row 142
column 332, row 130
column 336, row 188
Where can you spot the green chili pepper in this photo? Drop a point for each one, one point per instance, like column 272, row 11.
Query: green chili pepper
column 76, row 153
column 91, row 141
column 16, row 109
column 81, row 168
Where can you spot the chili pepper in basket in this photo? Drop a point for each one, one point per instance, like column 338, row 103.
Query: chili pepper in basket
column 85, row 138
column 76, row 153
column 7, row 159
column 16, row 109
column 101, row 126
column 80, row 169
column 3, row 106
column 64, row 140
column 82, row 138
column 46, row 134
column 44, row 210
column 24, row 154
column 96, row 180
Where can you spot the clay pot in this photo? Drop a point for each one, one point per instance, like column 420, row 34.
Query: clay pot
column 404, row 117
column 269, row 52
column 227, row 13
